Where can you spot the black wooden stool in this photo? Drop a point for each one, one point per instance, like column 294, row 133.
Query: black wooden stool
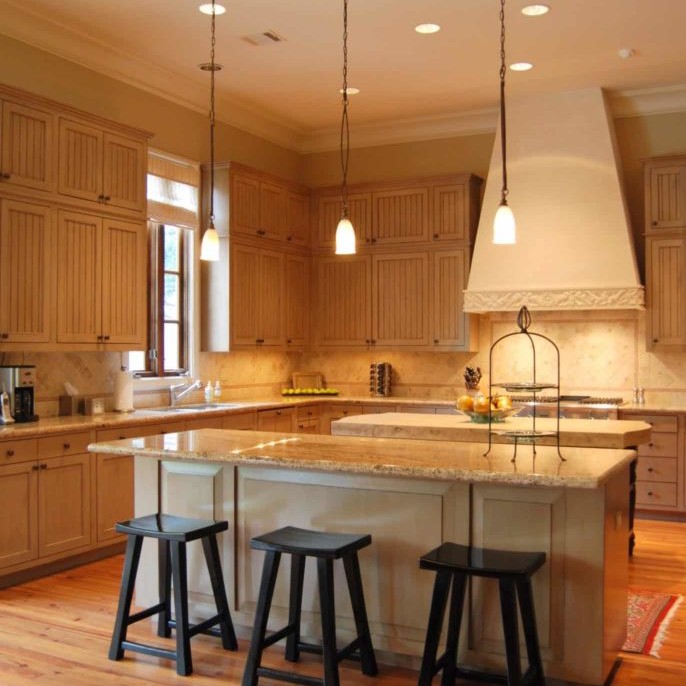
column 453, row 564
column 326, row 547
column 172, row 533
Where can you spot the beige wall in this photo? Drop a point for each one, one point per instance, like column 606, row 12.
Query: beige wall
column 584, row 339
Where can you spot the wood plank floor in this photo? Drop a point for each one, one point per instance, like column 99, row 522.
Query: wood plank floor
column 56, row 631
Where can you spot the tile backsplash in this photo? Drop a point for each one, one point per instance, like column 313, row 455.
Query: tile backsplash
column 601, row 353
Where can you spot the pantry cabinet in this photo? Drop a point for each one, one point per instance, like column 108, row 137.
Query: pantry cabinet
column 101, row 281
column 27, row 261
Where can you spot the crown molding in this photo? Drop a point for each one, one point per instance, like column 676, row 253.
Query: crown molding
column 646, row 101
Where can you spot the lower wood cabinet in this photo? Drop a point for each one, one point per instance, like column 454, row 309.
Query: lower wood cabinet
column 276, row 420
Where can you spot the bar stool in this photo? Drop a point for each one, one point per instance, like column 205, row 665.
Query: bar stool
column 172, row 533
column 325, row 547
column 453, row 563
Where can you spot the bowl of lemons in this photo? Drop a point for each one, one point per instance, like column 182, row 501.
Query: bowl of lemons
column 481, row 409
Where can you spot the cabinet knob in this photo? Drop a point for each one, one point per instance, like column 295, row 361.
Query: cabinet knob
column 259, row 340
column 650, row 493
column 5, row 176
column 373, row 240
column 656, row 340
column 66, row 446
column 650, row 469
column 107, row 198
column 121, row 438
column 435, row 340
column 373, row 342
column 367, row 341
column 289, row 238
column 35, row 468
column 261, row 232
column 435, row 236
column 278, row 412
column 43, row 466
column 10, row 453
column 301, row 426
column 4, row 335
column 654, row 223
column 345, row 411
column 289, row 340
column 100, row 337
column 650, row 445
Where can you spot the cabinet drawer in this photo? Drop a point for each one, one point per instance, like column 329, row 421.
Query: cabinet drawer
column 655, row 494
column 659, row 423
column 303, row 413
column 12, row 452
column 308, row 426
column 656, row 469
column 661, row 445
column 137, row 431
column 65, row 444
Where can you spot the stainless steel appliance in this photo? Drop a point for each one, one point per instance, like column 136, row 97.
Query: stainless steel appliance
column 19, row 382
column 569, row 406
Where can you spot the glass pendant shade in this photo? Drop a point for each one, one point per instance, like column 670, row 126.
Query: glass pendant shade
column 504, row 229
column 345, row 237
column 209, row 247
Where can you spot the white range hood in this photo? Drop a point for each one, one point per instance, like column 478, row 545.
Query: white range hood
column 574, row 247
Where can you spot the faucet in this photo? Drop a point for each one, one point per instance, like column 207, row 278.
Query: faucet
column 180, row 390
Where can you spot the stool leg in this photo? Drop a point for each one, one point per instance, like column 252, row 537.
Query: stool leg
column 295, row 607
column 433, row 631
column 264, row 602
column 351, row 565
column 526, row 608
column 328, row 615
column 508, row 609
column 164, row 585
column 128, row 582
column 211, row 550
column 454, row 624
column 184, row 663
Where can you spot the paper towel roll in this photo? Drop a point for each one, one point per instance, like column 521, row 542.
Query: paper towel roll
column 123, row 391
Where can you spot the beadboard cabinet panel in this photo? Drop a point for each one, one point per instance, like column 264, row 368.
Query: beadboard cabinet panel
column 327, row 214
column 297, row 300
column 400, row 216
column 666, row 194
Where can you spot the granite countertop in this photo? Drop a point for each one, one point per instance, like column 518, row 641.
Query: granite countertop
column 583, row 433
column 418, row 459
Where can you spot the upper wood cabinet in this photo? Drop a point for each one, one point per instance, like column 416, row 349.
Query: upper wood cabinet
column 402, row 213
column 265, row 206
column 27, row 147
column 297, row 300
column 27, row 261
column 101, row 281
column 665, row 193
column 101, row 167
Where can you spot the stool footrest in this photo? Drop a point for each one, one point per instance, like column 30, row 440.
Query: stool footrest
column 278, row 635
column 290, row 677
column 144, row 614
column 346, row 653
column 148, row 650
column 200, row 628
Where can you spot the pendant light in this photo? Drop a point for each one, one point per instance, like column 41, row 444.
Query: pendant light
column 345, row 233
column 209, row 247
column 504, row 230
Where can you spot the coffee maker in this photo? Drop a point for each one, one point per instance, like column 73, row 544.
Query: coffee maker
column 19, row 381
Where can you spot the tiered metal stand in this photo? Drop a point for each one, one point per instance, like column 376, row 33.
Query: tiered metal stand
column 528, row 436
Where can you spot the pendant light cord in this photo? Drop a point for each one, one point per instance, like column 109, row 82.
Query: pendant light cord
column 212, row 70
column 345, row 129
column 503, row 132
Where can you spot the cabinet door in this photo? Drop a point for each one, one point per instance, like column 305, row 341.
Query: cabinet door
column 328, row 214
column 400, row 312
column 124, row 291
column 667, row 197
column 245, row 204
column 245, row 263
column 276, row 420
column 450, row 212
column 114, row 494
column 344, row 312
column 26, row 272
column 297, row 308
column 270, row 298
column 400, row 215
column 19, row 523
column 80, row 161
column 297, row 229
column 449, row 280
column 27, row 147
column 79, row 297
column 64, row 504
column 272, row 211
column 124, row 169
column 665, row 274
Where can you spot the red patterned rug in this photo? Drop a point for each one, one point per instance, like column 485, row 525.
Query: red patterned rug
column 649, row 615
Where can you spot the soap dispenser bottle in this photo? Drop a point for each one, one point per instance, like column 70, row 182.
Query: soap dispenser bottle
column 217, row 390
column 208, row 392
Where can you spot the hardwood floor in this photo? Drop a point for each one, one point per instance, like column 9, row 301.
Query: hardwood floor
column 56, row 631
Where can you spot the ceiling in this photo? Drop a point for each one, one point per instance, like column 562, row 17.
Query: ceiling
column 410, row 85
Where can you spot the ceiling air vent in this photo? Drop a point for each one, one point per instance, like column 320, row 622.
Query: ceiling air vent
column 267, row 37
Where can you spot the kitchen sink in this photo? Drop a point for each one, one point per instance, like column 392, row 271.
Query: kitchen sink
column 199, row 407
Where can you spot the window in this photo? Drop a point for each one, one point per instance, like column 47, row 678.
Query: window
column 173, row 212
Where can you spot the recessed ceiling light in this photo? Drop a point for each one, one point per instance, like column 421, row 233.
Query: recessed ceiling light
column 535, row 10
column 427, row 28
column 521, row 66
column 207, row 8
column 351, row 90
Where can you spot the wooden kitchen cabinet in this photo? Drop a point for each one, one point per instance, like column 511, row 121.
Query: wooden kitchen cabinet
column 666, row 292
column 280, row 420
column 307, row 419
column 27, row 261
column 327, row 213
column 297, row 300
column 101, row 282
column 101, row 167
column 297, row 230
column 665, row 193
column 256, row 295
column 27, row 146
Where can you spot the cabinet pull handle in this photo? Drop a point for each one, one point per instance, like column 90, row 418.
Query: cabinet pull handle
column 650, row 493
column 10, row 453
column 43, row 466
column 100, row 337
column 259, row 340
column 650, row 469
column 35, row 468
column 107, row 337
column 66, row 446
column 5, row 176
column 261, row 232
column 121, row 438
column 107, row 198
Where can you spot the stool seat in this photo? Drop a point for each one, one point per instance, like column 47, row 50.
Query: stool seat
column 454, row 564
column 325, row 548
column 293, row 540
column 172, row 534
column 483, row 562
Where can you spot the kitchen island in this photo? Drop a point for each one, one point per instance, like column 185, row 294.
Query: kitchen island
column 411, row 495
